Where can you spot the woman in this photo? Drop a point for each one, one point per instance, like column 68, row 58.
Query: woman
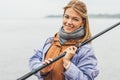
column 78, row 63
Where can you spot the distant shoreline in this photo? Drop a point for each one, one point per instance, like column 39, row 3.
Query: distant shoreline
column 90, row 15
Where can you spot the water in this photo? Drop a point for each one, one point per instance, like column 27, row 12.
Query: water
column 19, row 38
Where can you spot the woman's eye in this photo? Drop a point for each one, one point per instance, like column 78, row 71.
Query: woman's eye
column 66, row 17
column 75, row 19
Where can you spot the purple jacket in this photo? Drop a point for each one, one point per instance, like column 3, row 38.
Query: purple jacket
column 83, row 64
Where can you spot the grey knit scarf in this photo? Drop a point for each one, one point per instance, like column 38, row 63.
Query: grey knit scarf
column 77, row 34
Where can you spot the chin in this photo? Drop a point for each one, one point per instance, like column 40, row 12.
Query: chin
column 67, row 31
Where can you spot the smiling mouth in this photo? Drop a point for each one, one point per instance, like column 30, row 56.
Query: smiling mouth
column 69, row 27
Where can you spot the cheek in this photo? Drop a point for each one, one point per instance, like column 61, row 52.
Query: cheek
column 78, row 24
column 63, row 22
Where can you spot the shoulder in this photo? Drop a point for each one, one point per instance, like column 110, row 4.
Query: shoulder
column 49, row 40
column 46, row 44
column 86, row 49
column 86, row 46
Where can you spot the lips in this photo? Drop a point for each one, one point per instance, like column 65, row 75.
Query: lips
column 69, row 27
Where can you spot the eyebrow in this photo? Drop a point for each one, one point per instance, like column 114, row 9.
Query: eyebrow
column 72, row 16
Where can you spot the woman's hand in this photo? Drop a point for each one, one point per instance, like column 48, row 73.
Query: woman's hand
column 47, row 69
column 70, row 52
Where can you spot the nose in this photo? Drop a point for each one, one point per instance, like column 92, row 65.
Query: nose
column 69, row 21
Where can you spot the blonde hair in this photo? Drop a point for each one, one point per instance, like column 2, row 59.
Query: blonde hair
column 80, row 8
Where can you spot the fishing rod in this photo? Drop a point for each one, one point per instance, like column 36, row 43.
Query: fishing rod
column 63, row 54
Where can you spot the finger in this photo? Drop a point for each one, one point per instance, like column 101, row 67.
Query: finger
column 70, row 48
column 50, row 59
column 43, row 62
column 74, row 48
column 46, row 62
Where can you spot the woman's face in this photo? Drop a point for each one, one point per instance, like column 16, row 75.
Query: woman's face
column 71, row 20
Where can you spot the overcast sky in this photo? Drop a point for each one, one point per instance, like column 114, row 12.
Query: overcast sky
column 41, row 8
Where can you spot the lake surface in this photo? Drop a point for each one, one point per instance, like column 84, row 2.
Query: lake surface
column 19, row 38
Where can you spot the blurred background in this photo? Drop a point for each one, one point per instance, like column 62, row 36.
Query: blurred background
column 25, row 24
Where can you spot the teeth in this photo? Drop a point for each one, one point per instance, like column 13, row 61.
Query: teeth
column 69, row 26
